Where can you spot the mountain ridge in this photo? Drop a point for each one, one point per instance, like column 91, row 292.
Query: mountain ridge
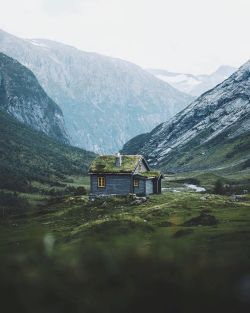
column 105, row 101
column 219, row 118
column 23, row 97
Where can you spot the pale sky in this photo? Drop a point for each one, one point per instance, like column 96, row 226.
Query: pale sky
column 193, row 36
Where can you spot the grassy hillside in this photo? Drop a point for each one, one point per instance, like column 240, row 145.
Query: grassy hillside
column 178, row 252
column 27, row 155
column 135, row 144
column 222, row 152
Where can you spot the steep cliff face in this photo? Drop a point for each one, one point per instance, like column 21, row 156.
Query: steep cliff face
column 23, row 97
column 206, row 133
column 105, row 101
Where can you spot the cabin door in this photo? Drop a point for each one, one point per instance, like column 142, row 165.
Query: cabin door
column 149, row 187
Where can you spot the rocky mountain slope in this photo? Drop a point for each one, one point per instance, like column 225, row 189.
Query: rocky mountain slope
column 105, row 101
column 214, row 131
column 27, row 155
column 194, row 85
column 23, row 97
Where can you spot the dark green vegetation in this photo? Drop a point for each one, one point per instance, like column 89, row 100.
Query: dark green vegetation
column 135, row 144
column 223, row 181
column 27, row 155
column 178, row 252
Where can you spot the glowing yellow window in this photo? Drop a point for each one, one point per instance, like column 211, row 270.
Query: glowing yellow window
column 101, row 182
column 136, row 182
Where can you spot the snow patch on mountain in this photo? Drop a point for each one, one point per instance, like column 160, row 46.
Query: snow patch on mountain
column 194, row 85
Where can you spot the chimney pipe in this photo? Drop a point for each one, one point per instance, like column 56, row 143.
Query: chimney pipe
column 118, row 160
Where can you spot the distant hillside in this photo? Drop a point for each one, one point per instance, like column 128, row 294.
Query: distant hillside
column 213, row 132
column 135, row 144
column 105, row 101
column 23, row 97
column 194, row 85
column 28, row 155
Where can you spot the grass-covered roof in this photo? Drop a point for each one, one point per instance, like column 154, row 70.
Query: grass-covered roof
column 151, row 174
column 107, row 164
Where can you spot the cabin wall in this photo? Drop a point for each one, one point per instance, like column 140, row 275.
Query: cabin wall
column 123, row 185
column 141, row 189
column 115, row 184
column 149, row 187
column 141, row 168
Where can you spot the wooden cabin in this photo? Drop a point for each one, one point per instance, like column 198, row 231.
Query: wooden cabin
column 123, row 174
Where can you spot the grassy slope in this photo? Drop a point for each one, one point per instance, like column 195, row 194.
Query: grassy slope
column 28, row 155
column 219, row 153
column 222, row 152
column 113, row 257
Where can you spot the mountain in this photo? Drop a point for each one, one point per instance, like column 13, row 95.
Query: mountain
column 23, row 97
column 28, row 155
column 194, row 85
column 212, row 132
column 105, row 101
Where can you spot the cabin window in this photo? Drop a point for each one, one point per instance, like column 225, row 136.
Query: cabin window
column 136, row 182
column 101, row 182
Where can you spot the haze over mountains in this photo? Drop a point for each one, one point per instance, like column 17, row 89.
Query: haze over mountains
column 212, row 132
column 194, row 85
column 105, row 101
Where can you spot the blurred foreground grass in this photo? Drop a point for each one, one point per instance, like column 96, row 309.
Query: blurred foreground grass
column 109, row 256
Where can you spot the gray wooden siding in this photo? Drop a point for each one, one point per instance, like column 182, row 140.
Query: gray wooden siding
column 115, row 184
column 149, row 187
column 143, row 168
column 141, row 189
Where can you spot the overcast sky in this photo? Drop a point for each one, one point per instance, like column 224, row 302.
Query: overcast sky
column 193, row 36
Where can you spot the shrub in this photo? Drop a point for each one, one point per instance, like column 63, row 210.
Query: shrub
column 80, row 191
column 12, row 203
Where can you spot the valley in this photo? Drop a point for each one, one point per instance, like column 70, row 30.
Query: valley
column 96, row 92
column 177, row 239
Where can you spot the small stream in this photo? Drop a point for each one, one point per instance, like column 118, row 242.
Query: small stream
column 185, row 187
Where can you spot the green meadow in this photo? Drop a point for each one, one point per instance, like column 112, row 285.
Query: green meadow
column 173, row 253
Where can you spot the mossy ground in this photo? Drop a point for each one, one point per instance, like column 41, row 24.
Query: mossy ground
column 72, row 255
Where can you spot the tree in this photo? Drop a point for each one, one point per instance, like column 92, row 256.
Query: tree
column 219, row 188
